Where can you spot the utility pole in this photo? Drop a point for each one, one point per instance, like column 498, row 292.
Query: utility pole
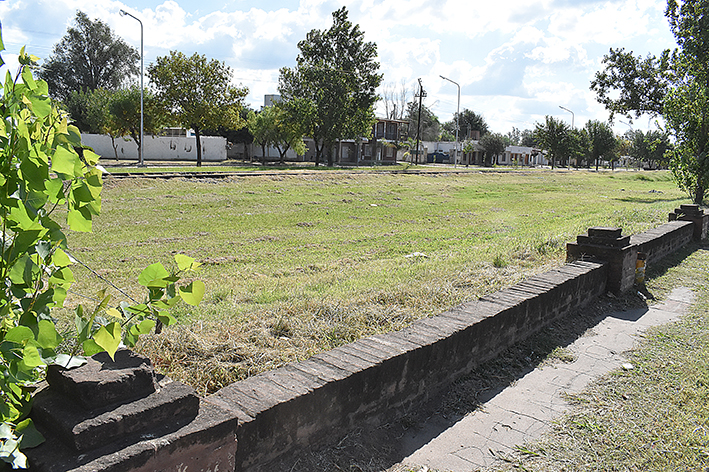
column 420, row 95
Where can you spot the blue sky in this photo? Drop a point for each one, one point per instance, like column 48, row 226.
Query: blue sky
column 516, row 60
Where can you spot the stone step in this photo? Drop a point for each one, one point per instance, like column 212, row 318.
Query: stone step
column 84, row 429
column 102, row 381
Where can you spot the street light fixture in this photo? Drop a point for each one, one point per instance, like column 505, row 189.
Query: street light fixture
column 457, row 120
column 572, row 116
column 572, row 124
column 141, row 162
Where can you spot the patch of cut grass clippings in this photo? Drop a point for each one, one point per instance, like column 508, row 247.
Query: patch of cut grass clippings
column 653, row 417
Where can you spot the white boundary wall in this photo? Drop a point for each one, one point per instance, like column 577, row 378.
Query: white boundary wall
column 158, row 148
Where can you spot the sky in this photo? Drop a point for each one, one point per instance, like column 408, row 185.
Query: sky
column 516, row 61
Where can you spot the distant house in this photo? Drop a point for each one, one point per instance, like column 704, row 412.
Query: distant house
column 512, row 156
column 380, row 148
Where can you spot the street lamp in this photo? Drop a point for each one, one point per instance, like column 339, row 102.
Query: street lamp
column 572, row 116
column 141, row 162
column 457, row 119
column 572, row 125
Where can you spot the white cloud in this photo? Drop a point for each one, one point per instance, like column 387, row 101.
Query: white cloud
column 514, row 59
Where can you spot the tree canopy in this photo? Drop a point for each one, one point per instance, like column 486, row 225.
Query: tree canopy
column 430, row 126
column 601, row 141
column 649, row 147
column 124, row 108
column 90, row 56
column 471, row 121
column 336, row 71
column 553, row 137
column 674, row 85
column 493, row 144
column 196, row 92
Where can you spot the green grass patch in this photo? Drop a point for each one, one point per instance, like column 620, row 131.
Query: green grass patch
column 298, row 263
column 653, row 417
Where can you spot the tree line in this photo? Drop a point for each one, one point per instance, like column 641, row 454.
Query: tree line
column 329, row 95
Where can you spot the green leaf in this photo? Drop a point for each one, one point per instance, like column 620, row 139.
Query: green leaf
column 185, row 262
column 62, row 276
column 55, row 190
column 91, row 347
column 41, row 105
column 74, row 135
column 47, row 336
column 24, row 271
column 109, row 338
column 19, row 334
column 193, row 293
column 28, row 79
column 154, row 275
column 61, row 258
column 144, row 327
column 166, row 318
column 65, row 161
column 78, row 221
column 30, row 358
column 30, row 436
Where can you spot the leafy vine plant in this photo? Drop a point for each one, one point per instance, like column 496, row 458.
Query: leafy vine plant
column 49, row 182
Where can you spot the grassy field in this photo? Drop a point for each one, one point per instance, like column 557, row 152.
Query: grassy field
column 296, row 264
column 654, row 417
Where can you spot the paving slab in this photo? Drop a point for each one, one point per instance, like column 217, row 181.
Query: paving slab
column 523, row 411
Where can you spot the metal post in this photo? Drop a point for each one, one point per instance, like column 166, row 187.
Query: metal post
column 418, row 131
column 572, row 127
column 141, row 162
column 457, row 121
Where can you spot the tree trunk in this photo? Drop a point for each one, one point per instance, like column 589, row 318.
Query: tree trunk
column 199, row 146
column 330, row 162
column 699, row 194
column 263, row 155
column 114, row 146
column 136, row 140
column 318, row 152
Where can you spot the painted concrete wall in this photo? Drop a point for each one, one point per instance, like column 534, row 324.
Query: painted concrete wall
column 159, row 148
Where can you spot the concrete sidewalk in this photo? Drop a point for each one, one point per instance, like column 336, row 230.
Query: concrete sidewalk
column 525, row 410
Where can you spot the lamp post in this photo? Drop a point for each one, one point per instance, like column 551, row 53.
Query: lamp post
column 141, row 162
column 457, row 121
column 572, row 125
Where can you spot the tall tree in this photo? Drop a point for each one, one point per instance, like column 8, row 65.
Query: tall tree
column 261, row 126
column 553, row 137
column 124, row 107
column 527, row 138
column 336, row 71
column 430, row 126
column 601, row 141
column 515, row 136
column 90, row 56
column 197, row 93
column 650, row 147
column 88, row 109
column 471, row 121
column 494, row 144
column 395, row 100
column 674, row 85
